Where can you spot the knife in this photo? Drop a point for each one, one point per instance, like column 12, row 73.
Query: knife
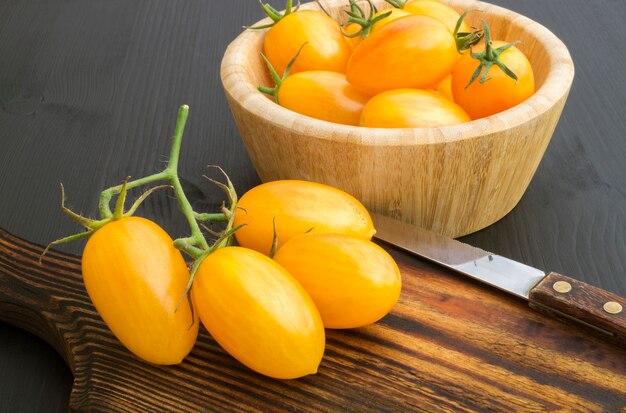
column 553, row 294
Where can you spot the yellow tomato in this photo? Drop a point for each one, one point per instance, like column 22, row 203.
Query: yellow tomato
column 410, row 52
column 395, row 14
column 444, row 13
column 325, row 47
column 499, row 92
column 445, row 87
column 353, row 28
column 135, row 278
column 352, row 281
column 297, row 207
column 322, row 95
column 259, row 313
column 411, row 108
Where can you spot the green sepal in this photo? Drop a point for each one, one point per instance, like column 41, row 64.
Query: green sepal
column 142, row 198
column 91, row 225
column 398, row 4
column 201, row 257
column 84, row 221
column 322, row 8
column 274, row 14
column 274, row 239
column 272, row 91
column 465, row 40
column 228, row 187
column 267, row 90
column 366, row 21
column 488, row 57
column 64, row 240
column 278, row 80
column 118, row 211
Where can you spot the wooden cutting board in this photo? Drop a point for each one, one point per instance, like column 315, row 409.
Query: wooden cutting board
column 450, row 345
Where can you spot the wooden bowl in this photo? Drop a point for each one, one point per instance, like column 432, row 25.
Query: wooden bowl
column 453, row 180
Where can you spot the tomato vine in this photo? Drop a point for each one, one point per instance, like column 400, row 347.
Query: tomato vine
column 195, row 245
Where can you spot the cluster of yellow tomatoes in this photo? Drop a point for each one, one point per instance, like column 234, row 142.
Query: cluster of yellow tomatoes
column 416, row 64
column 305, row 262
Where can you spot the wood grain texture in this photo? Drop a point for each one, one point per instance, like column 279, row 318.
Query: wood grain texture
column 566, row 297
column 453, row 180
column 448, row 346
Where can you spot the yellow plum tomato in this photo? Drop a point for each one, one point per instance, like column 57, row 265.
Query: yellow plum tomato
column 353, row 281
column 445, row 87
column 297, row 207
column 411, row 108
column 259, row 313
column 325, row 47
column 499, row 91
column 410, row 52
column 353, row 28
column 135, row 279
column 322, row 95
column 444, row 13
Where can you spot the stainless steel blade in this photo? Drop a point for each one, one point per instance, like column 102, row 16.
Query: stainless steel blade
column 500, row 272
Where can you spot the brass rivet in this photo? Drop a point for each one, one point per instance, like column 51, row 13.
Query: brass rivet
column 612, row 307
column 562, row 287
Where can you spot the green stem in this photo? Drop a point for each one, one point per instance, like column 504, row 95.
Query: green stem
column 196, row 244
column 488, row 44
column 107, row 194
column 218, row 216
column 169, row 174
column 187, row 210
column 181, row 121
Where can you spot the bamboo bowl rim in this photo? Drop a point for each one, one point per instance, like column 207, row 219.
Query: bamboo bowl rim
column 236, row 82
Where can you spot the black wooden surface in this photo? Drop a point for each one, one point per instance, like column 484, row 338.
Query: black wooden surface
column 89, row 92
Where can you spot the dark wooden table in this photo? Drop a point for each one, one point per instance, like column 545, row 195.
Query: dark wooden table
column 89, row 92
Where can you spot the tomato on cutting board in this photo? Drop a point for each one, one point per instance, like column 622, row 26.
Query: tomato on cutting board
column 135, row 279
column 296, row 207
column 259, row 313
column 352, row 281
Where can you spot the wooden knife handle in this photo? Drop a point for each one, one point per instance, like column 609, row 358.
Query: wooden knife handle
column 566, row 298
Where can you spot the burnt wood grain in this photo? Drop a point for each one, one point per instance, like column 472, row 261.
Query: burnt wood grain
column 448, row 346
column 574, row 300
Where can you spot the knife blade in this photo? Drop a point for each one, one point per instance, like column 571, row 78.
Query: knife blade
column 551, row 293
